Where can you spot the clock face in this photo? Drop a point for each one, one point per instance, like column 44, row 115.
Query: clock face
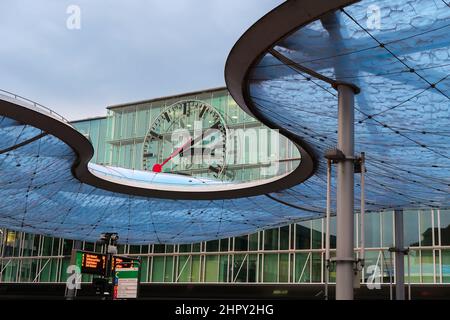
column 188, row 138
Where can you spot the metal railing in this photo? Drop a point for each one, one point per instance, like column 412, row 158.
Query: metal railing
column 35, row 104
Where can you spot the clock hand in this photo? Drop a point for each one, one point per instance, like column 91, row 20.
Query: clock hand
column 157, row 167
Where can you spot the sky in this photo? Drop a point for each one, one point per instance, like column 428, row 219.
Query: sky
column 77, row 57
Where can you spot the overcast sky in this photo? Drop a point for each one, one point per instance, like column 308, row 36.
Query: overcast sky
column 125, row 50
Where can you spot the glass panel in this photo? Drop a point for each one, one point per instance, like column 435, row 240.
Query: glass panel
column 316, row 267
column 144, row 269
column 270, row 267
column 44, row 268
column 196, row 247
column 445, row 227
column 28, row 245
column 303, row 235
column 240, row 268
column 168, row 273
column 372, row 260
column 372, row 230
column 445, row 254
column 25, row 271
column 252, row 267
column 212, row 246
column 241, row 243
column 87, row 246
column 271, row 239
column 411, row 225
column 158, row 269
column 224, row 244
column 427, row 266
column 223, row 270
column 284, row 238
column 135, row 249
column 195, row 274
column 211, row 268
column 65, row 265
column 387, row 223
column 302, row 267
column 284, row 267
column 316, row 235
column 425, row 228
column 253, row 243
column 414, row 256
column 184, row 269
column 47, row 246
column 185, row 248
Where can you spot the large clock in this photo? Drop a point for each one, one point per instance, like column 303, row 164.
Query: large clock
column 200, row 150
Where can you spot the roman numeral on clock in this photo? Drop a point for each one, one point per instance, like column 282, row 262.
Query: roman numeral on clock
column 202, row 112
column 166, row 115
column 156, row 135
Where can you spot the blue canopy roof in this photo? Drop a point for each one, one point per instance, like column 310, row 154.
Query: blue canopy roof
column 41, row 194
column 398, row 53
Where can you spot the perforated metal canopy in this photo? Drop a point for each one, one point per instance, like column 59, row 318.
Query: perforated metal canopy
column 396, row 51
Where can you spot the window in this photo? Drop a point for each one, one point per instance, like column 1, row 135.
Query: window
column 241, row 243
column 195, row 269
column 159, row 248
column 212, row 246
column 211, row 268
column 185, row 248
column 284, row 267
column 223, row 268
column 284, row 238
column 252, row 267
column 427, row 266
column 445, row 227
column 270, row 267
column 224, row 244
column 271, row 239
column 303, row 235
column 372, row 230
column 158, row 269
column 184, row 269
column 445, row 258
column 316, row 234
column 168, row 271
column 240, row 268
column 426, row 232
column 302, row 267
column 411, row 228
column 387, row 223
column 253, row 242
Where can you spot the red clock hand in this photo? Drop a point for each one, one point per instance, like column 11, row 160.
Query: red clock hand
column 157, row 167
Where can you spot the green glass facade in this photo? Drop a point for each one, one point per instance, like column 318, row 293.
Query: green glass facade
column 291, row 254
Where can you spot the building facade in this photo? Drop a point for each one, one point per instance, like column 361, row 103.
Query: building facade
column 290, row 254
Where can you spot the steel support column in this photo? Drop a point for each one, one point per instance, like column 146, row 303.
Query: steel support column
column 345, row 195
column 399, row 256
